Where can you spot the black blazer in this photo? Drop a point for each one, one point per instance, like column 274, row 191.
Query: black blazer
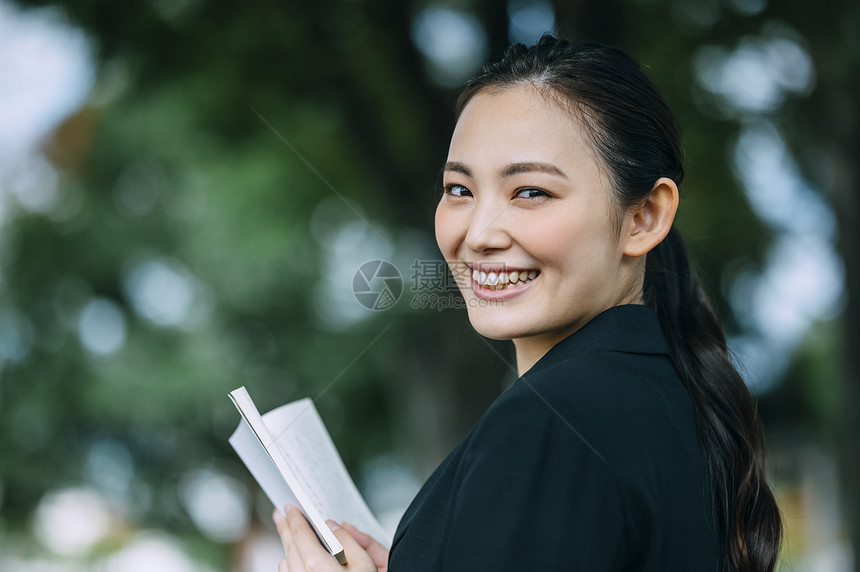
column 590, row 461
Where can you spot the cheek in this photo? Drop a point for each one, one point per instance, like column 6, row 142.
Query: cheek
column 553, row 238
column 563, row 240
column 448, row 230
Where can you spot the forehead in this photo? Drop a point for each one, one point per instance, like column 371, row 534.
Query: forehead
column 519, row 123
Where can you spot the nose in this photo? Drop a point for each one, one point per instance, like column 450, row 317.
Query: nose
column 487, row 228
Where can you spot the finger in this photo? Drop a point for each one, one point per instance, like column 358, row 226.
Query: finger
column 356, row 555
column 377, row 551
column 306, row 544
column 294, row 557
column 293, row 560
column 364, row 540
column 283, row 566
column 283, row 531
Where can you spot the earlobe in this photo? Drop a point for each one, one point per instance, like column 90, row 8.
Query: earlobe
column 648, row 224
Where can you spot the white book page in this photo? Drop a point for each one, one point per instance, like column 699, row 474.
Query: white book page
column 302, row 438
column 285, row 467
column 298, row 436
column 263, row 469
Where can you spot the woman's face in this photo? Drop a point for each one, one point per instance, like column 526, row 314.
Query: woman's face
column 525, row 198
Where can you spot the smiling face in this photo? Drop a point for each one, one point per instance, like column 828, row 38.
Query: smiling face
column 526, row 198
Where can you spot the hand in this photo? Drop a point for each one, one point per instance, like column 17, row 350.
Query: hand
column 304, row 553
column 375, row 550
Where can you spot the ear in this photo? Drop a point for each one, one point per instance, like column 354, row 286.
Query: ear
column 647, row 225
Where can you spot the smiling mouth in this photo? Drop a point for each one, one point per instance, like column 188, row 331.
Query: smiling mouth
column 503, row 280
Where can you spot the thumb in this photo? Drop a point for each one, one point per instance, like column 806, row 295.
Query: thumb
column 376, row 550
column 356, row 556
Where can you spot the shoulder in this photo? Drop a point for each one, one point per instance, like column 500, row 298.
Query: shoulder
column 537, row 462
column 602, row 386
column 611, row 408
column 593, row 386
column 618, row 364
column 552, row 420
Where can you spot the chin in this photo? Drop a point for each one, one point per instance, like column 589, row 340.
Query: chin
column 496, row 324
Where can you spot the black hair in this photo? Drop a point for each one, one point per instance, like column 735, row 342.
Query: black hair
column 637, row 138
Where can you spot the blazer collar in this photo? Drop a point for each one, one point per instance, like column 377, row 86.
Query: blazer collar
column 631, row 328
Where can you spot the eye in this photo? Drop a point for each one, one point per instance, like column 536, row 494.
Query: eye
column 530, row 194
column 457, row 191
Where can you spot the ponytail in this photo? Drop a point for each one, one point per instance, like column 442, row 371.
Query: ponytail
column 729, row 428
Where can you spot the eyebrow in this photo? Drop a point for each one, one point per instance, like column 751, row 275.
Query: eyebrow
column 458, row 167
column 532, row 167
column 512, row 169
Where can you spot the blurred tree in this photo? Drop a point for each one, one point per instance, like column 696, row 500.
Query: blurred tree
column 827, row 138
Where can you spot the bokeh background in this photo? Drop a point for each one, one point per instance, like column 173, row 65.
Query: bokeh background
column 187, row 188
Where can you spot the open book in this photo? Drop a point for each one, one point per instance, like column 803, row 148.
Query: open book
column 290, row 453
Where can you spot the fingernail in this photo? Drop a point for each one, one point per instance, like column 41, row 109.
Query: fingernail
column 277, row 516
column 333, row 525
column 288, row 507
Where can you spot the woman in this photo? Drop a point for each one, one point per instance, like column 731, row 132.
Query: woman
column 629, row 441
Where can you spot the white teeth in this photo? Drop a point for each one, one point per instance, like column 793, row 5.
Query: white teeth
column 502, row 280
